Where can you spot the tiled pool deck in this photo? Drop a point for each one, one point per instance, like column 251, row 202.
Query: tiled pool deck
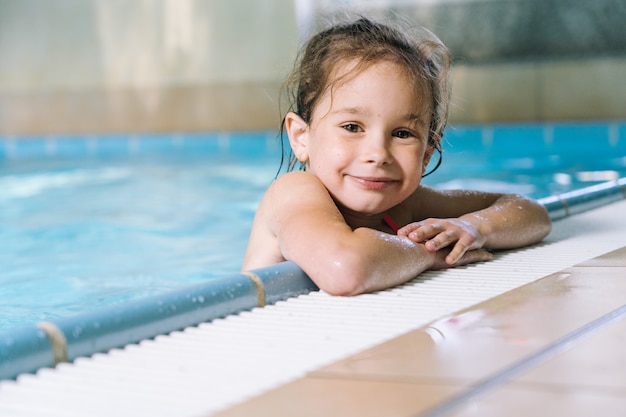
column 554, row 347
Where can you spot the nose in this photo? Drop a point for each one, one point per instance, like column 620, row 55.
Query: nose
column 376, row 150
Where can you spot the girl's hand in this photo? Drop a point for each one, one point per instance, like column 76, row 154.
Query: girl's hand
column 470, row 256
column 462, row 235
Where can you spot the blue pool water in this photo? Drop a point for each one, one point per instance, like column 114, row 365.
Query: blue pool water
column 84, row 231
column 89, row 222
column 535, row 160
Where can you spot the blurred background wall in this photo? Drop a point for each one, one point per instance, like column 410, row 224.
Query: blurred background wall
column 77, row 66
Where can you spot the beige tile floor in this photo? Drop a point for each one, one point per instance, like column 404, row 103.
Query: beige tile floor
column 554, row 347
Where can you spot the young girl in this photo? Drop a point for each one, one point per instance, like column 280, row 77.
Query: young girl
column 368, row 110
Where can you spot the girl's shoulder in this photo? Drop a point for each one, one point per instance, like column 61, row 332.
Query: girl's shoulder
column 298, row 189
column 296, row 183
column 292, row 176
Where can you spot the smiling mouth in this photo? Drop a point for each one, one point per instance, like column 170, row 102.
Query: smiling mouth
column 374, row 183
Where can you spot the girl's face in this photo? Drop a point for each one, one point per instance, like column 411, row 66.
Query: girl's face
column 367, row 140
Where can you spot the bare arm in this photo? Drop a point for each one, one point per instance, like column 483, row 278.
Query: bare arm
column 311, row 232
column 479, row 220
column 511, row 221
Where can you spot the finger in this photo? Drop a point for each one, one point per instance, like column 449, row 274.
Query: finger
column 406, row 230
column 475, row 255
column 425, row 232
column 442, row 240
column 430, row 246
column 456, row 253
column 464, row 244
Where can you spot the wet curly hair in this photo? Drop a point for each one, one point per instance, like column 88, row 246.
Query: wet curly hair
column 419, row 52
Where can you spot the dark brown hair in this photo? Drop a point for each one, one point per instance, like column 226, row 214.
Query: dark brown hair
column 423, row 56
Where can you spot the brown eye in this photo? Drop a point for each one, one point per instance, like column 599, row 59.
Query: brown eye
column 403, row 134
column 352, row 127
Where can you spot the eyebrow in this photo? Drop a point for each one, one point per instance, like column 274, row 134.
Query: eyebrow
column 350, row 110
column 419, row 118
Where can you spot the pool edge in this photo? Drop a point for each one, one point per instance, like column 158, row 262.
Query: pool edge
column 25, row 350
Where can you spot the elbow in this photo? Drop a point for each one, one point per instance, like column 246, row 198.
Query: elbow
column 343, row 275
column 540, row 223
column 547, row 228
column 545, row 223
column 344, row 286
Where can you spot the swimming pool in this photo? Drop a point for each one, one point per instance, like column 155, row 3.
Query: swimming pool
column 535, row 160
column 95, row 222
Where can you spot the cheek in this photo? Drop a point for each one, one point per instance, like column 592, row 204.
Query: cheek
column 413, row 169
column 330, row 157
column 412, row 161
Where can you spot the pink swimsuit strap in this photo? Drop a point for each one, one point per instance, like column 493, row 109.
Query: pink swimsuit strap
column 391, row 223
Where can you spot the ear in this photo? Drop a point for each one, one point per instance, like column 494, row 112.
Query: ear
column 298, row 132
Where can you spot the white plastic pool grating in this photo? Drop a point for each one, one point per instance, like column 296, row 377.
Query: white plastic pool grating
column 207, row 368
